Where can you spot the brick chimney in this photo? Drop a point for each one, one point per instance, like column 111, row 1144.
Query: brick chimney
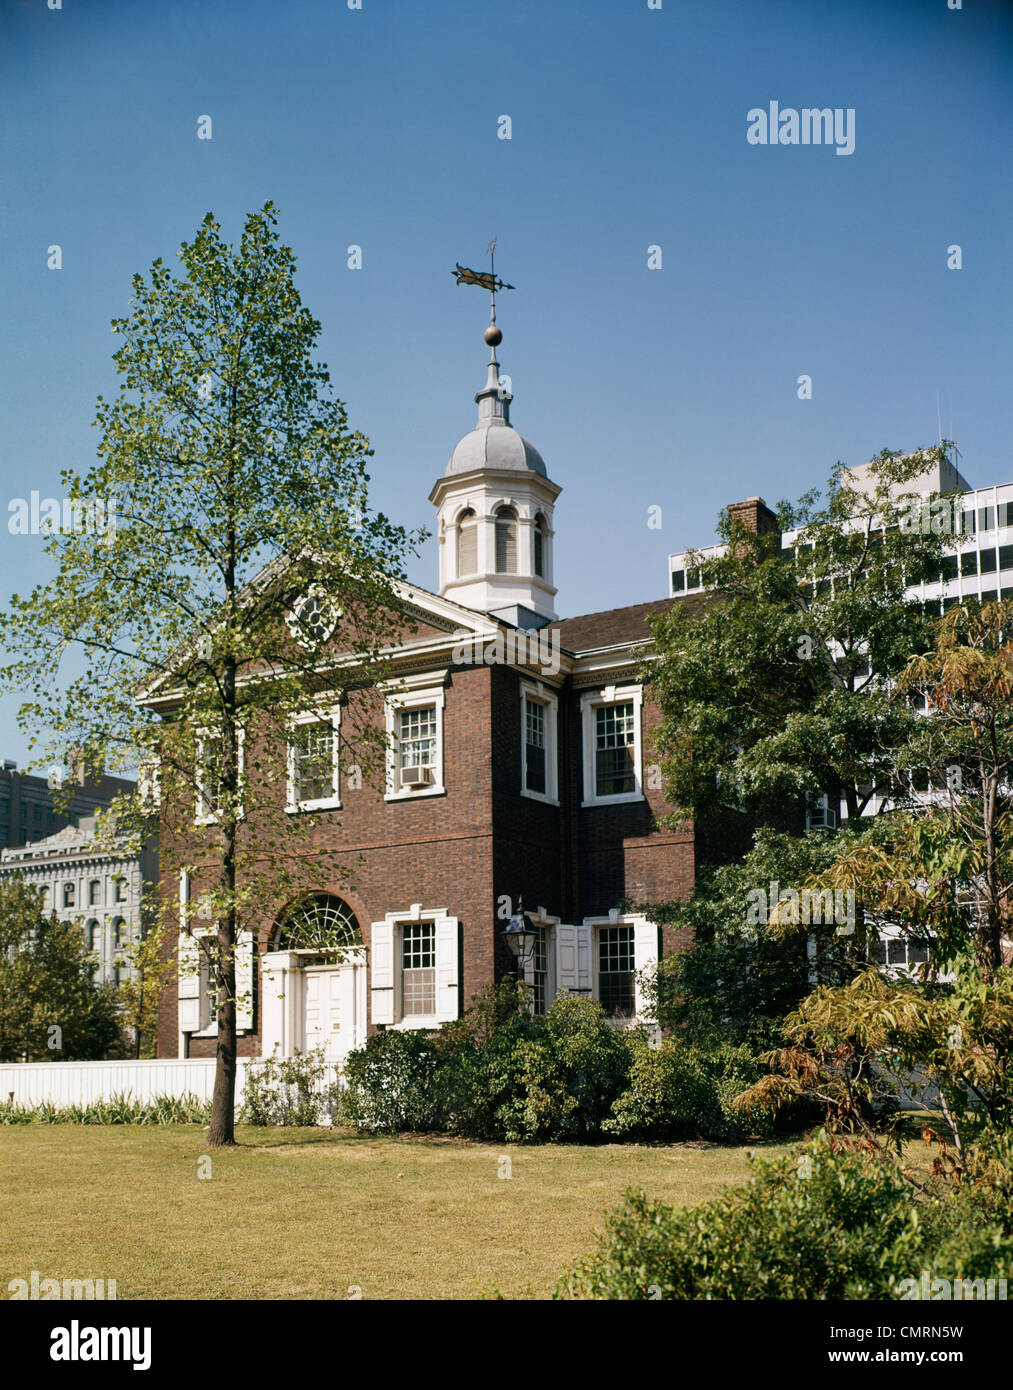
column 756, row 515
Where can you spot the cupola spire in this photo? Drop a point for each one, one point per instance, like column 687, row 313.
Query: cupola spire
column 493, row 402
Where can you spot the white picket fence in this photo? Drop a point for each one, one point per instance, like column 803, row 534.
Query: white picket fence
column 81, row 1083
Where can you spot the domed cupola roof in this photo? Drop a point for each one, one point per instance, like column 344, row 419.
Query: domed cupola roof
column 490, row 447
column 494, row 443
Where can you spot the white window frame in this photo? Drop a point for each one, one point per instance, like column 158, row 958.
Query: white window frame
column 414, row 1020
column 640, row 924
column 547, row 927
column 589, row 703
column 443, row 924
column 208, row 1024
column 407, row 696
column 293, row 805
column 202, row 815
column 539, row 694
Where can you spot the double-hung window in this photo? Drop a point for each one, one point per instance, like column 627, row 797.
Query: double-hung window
column 418, row 969
column 417, row 737
column 538, row 743
column 612, row 746
column 414, row 718
column 210, row 762
column 617, row 971
column 313, row 746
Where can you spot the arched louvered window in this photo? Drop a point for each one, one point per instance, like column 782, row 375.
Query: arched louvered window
column 467, row 543
column 541, row 541
column 506, row 541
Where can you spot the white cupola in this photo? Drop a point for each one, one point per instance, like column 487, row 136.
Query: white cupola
column 494, row 513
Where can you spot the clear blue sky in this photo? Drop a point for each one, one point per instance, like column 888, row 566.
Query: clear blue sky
column 674, row 387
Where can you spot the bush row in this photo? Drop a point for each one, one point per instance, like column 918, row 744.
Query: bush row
column 817, row 1224
column 504, row 1074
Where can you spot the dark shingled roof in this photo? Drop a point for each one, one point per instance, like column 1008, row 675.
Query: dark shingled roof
column 615, row 625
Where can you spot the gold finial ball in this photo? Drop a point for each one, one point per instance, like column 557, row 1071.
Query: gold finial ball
column 493, row 336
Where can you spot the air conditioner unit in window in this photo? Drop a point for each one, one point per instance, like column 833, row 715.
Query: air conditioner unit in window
column 821, row 817
column 417, row 777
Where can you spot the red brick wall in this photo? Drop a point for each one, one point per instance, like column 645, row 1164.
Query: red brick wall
column 481, row 840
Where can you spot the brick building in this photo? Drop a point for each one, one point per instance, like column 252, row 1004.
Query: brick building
column 519, row 768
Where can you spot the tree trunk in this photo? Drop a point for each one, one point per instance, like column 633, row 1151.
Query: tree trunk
column 223, row 1102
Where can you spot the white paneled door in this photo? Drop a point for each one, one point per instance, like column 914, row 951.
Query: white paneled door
column 330, row 1009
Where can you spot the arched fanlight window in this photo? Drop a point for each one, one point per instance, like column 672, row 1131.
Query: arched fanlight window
column 506, row 541
column 95, row 893
column 92, row 935
column 541, row 540
column 318, row 923
column 68, row 895
column 467, row 542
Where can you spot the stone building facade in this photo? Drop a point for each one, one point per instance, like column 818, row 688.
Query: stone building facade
column 87, row 881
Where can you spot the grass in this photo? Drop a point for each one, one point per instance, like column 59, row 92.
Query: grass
column 315, row 1213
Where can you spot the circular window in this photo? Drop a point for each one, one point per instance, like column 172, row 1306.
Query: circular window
column 322, row 923
column 313, row 618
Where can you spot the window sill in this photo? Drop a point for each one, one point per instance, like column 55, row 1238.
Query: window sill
column 298, row 807
column 540, row 796
column 621, row 799
column 417, row 1021
column 415, row 795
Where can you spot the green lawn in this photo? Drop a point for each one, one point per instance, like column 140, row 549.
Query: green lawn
column 314, row 1213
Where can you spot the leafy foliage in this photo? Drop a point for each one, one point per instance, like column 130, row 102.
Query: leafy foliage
column 295, row 1090
column 824, row 1224
column 51, row 1009
column 736, row 981
column 501, row 1073
column 119, row 1109
column 766, row 693
column 243, row 561
column 950, row 1049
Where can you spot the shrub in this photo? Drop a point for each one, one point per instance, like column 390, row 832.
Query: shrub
column 669, row 1093
column 392, row 1085
column 289, row 1091
column 500, row 1073
column 821, row 1224
column 680, row 1092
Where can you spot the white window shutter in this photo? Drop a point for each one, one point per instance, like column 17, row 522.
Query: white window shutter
column 645, row 953
column 584, row 976
column 566, row 958
column 189, row 984
column 244, row 981
column 573, row 958
column 446, row 969
column 381, row 965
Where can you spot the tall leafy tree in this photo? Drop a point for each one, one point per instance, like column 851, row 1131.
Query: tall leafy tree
column 737, row 980
column 780, row 685
column 51, row 1008
column 245, row 582
column 946, row 872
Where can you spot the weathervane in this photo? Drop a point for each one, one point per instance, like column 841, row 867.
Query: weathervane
column 486, row 280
